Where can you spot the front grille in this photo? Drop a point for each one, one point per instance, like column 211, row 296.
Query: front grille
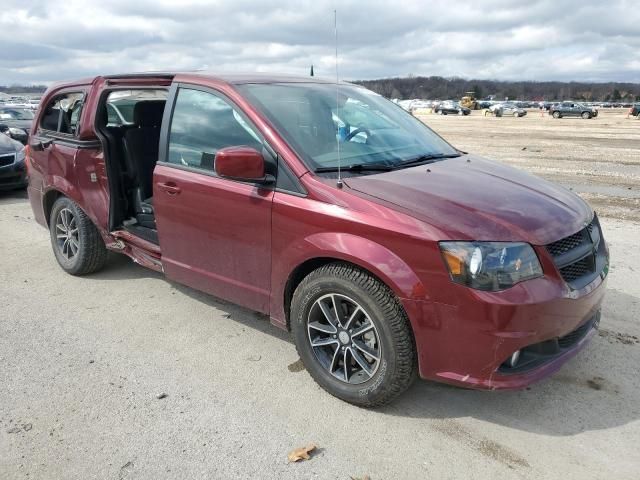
column 576, row 270
column 580, row 257
column 566, row 244
column 7, row 159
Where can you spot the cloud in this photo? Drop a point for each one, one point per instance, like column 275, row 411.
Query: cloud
column 47, row 41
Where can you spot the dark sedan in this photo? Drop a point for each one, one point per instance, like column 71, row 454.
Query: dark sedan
column 451, row 108
column 571, row 109
column 13, row 173
column 16, row 122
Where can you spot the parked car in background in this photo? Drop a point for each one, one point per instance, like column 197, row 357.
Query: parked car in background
column 418, row 107
column 387, row 252
column 13, row 173
column 634, row 111
column 16, row 122
column 523, row 104
column 451, row 108
column 404, row 104
column 572, row 109
column 509, row 109
column 33, row 103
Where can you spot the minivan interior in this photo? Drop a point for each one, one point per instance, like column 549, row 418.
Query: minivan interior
column 129, row 122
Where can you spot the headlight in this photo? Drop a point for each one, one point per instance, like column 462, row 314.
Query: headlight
column 18, row 132
column 490, row 266
column 20, row 155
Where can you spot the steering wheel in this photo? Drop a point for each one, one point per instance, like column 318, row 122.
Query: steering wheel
column 356, row 132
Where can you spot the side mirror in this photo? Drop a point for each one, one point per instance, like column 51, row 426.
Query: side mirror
column 241, row 163
column 4, row 128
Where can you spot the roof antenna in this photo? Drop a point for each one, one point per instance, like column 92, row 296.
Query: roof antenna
column 335, row 29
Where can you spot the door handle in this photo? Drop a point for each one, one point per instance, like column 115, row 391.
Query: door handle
column 169, row 187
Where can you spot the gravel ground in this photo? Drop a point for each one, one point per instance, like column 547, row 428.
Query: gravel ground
column 83, row 362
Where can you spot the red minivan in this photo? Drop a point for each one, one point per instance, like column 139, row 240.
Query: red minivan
column 387, row 252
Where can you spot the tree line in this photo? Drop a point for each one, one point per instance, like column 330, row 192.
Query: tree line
column 441, row 88
column 15, row 89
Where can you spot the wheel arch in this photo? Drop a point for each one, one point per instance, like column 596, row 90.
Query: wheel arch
column 48, row 199
column 54, row 187
column 379, row 262
column 52, row 194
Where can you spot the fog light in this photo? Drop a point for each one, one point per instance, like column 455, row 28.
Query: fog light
column 514, row 358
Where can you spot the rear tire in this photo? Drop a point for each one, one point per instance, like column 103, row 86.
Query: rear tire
column 360, row 300
column 76, row 242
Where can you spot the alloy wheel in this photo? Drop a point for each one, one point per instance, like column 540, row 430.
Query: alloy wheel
column 67, row 236
column 344, row 339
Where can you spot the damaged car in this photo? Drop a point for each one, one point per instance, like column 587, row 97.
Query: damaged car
column 388, row 253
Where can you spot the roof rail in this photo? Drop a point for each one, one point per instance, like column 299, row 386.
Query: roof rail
column 140, row 74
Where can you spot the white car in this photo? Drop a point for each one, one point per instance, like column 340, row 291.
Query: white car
column 509, row 109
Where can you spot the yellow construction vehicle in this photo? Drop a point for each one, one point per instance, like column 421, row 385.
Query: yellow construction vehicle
column 469, row 101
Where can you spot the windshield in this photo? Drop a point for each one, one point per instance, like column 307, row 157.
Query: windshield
column 16, row 114
column 363, row 126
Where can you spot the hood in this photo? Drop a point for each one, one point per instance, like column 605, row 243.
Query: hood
column 23, row 124
column 471, row 198
column 9, row 145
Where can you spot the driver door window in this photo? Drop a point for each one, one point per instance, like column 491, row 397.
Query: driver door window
column 202, row 124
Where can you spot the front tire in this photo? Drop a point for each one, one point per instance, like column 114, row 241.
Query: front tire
column 76, row 242
column 586, row 115
column 353, row 336
column 556, row 115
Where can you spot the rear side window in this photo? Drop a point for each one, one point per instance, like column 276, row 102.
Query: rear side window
column 62, row 114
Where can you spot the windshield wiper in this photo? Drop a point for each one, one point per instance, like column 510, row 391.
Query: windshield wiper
column 427, row 158
column 383, row 167
column 358, row 167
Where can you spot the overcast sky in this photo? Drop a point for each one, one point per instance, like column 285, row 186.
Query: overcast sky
column 45, row 40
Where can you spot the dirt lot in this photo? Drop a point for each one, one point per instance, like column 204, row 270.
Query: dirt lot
column 598, row 158
column 84, row 360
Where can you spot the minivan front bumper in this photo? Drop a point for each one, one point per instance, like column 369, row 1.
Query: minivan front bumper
column 469, row 343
